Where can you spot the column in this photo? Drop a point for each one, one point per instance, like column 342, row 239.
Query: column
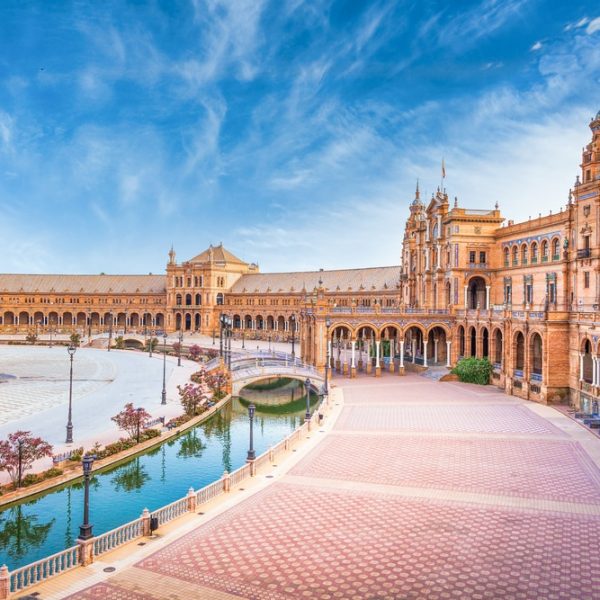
column 487, row 297
column 439, row 226
column 448, row 349
column 580, row 366
column 329, row 354
column 353, row 356
column 594, row 370
column 439, row 258
column 392, row 353
column 425, row 342
column 435, row 350
column 377, row 365
column 345, row 361
column 402, row 354
column 414, row 350
column 466, row 297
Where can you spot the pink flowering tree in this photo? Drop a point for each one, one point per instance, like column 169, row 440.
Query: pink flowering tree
column 19, row 452
column 132, row 420
column 193, row 396
column 195, row 352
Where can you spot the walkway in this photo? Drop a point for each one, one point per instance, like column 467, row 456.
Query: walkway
column 420, row 490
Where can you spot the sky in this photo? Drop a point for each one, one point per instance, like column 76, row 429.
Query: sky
column 291, row 131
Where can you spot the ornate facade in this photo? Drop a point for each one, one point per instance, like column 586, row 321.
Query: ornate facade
column 525, row 295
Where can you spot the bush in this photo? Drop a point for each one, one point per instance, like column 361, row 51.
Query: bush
column 29, row 479
column 53, row 472
column 474, row 370
column 77, row 454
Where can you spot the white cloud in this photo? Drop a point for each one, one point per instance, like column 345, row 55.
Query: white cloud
column 593, row 26
column 6, row 131
column 536, row 46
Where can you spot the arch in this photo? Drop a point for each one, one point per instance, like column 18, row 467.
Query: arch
column 81, row 319
column 472, row 341
column 497, row 337
column 544, row 250
column 134, row 320
column 461, row 341
column 555, row 248
column 534, row 252
column 9, row 317
column 515, row 255
column 146, row 320
column 188, row 322
column 436, row 347
column 281, row 323
column 248, row 322
column 535, row 354
column 588, row 363
column 53, row 318
column 524, row 254
column 23, row 318
column 237, row 322
column 67, row 319
column 95, row 319
column 270, row 323
column 121, row 319
column 198, row 299
column 197, row 321
column 341, row 334
column 485, row 342
column 159, row 319
column 477, row 293
column 260, row 322
column 506, row 256
column 220, row 299
column 178, row 320
column 178, row 300
column 448, row 293
column 38, row 318
column 519, row 352
column 188, row 299
column 414, row 347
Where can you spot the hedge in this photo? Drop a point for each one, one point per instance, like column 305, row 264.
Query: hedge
column 474, row 370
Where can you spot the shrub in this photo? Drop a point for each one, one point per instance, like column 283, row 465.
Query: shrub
column 31, row 338
column 75, row 339
column 77, row 454
column 53, row 472
column 119, row 342
column 474, row 370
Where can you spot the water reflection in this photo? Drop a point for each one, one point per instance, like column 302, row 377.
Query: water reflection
column 49, row 523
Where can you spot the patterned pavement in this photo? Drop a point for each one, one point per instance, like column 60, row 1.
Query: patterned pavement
column 349, row 520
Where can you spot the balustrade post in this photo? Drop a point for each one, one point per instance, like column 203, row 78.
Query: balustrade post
column 4, row 582
column 226, row 482
column 191, row 500
column 286, row 444
column 146, row 531
column 271, row 455
column 252, row 464
column 86, row 549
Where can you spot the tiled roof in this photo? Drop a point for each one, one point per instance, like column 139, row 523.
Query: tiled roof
column 355, row 280
column 91, row 284
column 219, row 254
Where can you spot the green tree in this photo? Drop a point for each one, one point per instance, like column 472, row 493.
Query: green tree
column 75, row 339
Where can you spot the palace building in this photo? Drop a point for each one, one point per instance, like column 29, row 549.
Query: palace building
column 525, row 295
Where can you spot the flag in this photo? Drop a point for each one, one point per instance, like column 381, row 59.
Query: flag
column 443, row 169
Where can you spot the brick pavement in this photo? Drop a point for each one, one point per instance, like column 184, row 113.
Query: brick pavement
column 336, row 528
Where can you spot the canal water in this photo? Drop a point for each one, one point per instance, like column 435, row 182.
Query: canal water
column 48, row 523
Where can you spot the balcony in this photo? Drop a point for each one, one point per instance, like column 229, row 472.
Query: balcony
column 544, row 259
column 479, row 265
column 584, row 253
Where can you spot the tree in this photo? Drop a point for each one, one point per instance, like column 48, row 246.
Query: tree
column 151, row 342
column 19, row 452
column 75, row 339
column 195, row 352
column 177, row 347
column 119, row 342
column 31, row 338
column 132, row 420
column 193, row 396
column 217, row 382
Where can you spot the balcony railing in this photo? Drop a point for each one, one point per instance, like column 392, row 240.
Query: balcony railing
column 478, row 265
column 584, row 253
column 544, row 259
column 556, row 257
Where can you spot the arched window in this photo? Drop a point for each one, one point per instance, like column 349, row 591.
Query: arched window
column 198, row 299
column 498, row 347
column 545, row 251
column 555, row 249
column 519, row 353
column 536, row 354
column 188, row 299
column 588, row 363
column 524, row 254
column 220, row 299
column 178, row 300
column 461, row 341
column 515, row 259
column 506, row 257
column 534, row 252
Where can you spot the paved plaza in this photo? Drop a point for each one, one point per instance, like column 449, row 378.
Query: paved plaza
column 419, row 490
column 34, row 391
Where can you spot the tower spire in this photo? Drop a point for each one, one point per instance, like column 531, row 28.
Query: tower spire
column 417, row 193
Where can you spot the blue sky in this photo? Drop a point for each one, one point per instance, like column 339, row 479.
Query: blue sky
column 291, row 131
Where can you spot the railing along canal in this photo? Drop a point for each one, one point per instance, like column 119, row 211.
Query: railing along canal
column 85, row 551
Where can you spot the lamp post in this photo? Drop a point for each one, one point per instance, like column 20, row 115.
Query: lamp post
column 293, row 320
column 221, row 324
column 179, row 348
column 89, row 325
column 229, row 336
column 164, row 390
column 243, row 339
column 110, row 327
column 151, row 343
column 137, row 436
column 85, row 530
column 71, row 350
column 213, row 336
column 307, row 389
column 327, row 357
column 251, row 452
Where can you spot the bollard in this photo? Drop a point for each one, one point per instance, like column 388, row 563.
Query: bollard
column 191, row 500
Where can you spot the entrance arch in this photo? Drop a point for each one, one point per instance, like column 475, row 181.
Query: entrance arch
column 498, row 347
column 519, row 352
column 437, row 353
column 414, row 345
column 477, row 293
column 472, row 341
column 536, row 356
column 188, row 322
column 366, row 335
column 485, row 343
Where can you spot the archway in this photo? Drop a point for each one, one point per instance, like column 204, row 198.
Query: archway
column 536, row 356
column 365, row 344
column 237, row 322
column 587, row 362
column 390, row 346
column 9, row 318
column 67, row 319
column 436, row 348
column 414, row 345
column 519, row 353
column 498, row 348
column 134, row 320
column 198, row 321
column 270, row 323
column 477, row 293
column 178, row 321
column 340, row 336
column 485, row 343
column 188, row 299
column 188, row 322
column 472, row 342
column 461, row 341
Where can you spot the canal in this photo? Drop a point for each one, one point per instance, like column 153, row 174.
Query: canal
column 38, row 527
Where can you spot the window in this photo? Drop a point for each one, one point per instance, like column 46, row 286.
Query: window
column 524, row 254
column 482, row 257
column 534, row 252
column 515, row 259
column 545, row 251
column 506, row 257
column 552, row 293
column 529, row 293
column 472, row 256
column 555, row 250
column 586, row 279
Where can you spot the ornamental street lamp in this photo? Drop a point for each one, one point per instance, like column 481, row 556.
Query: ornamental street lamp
column 71, row 350
column 243, row 339
column 213, row 336
column 229, row 336
column 164, row 390
column 327, row 357
column 110, row 327
column 139, row 412
column 307, row 389
column 222, row 324
column 251, row 452
column 151, row 343
column 85, row 530
column 89, row 324
column 293, row 320
column 179, row 348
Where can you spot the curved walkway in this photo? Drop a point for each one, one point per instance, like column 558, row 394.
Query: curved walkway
column 420, row 490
